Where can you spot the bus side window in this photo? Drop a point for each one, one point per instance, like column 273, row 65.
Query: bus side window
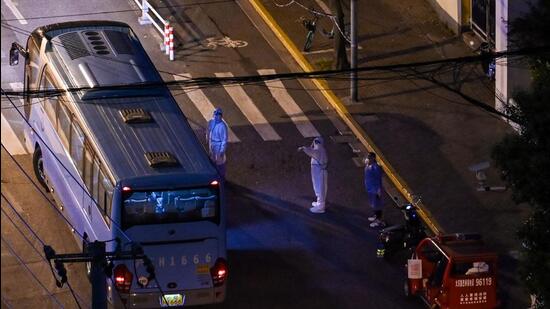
column 32, row 73
column 88, row 162
column 77, row 147
column 95, row 175
column 64, row 124
column 49, row 102
column 108, row 200
column 101, row 192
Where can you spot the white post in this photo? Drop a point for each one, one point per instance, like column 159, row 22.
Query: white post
column 144, row 18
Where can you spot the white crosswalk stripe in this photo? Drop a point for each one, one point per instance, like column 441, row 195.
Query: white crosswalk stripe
column 287, row 103
column 249, row 110
column 9, row 137
column 203, row 104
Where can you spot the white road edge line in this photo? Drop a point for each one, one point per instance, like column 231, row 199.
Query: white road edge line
column 322, row 51
column 250, row 111
column 202, row 103
column 287, row 103
column 16, row 12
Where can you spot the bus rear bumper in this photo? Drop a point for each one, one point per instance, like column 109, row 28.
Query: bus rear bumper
column 153, row 300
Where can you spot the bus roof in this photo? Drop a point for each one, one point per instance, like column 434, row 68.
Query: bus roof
column 139, row 130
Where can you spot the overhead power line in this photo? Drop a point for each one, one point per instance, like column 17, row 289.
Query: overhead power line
column 115, row 224
column 77, row 298
column 33, row 275
column 247, row 79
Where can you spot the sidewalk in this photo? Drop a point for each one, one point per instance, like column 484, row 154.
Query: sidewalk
column 430, row 135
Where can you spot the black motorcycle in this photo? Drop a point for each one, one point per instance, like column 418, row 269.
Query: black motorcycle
column 401, row 236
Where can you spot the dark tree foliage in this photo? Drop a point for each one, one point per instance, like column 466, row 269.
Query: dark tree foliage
column 524, row 158
column 533, row 30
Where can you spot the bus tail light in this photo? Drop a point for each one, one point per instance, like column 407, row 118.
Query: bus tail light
column 219, row 272
column 123, row 278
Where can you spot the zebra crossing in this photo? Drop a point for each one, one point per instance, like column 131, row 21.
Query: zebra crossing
column 203, row 104
column 243, row 102
column 248, row 108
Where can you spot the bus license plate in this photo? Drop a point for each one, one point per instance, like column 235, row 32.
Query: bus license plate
column 170, row 300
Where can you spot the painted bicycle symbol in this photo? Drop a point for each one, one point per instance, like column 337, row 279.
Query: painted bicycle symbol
column 226, row 41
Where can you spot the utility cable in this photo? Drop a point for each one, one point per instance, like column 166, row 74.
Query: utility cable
column 176, row 92
column 115, row 11
column 81, row 49
column 73, row 293
column 115, row 224
column 473, row 101
column 43, row 194
column 29, row 271
column 6, row 302
column 22, row 220
column 43, row 243
column 30, row 242
column 332, row 17
column 312, row 74
column 117, row 292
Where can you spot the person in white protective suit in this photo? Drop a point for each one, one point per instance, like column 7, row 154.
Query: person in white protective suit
column 216, row 135
column 319, row 174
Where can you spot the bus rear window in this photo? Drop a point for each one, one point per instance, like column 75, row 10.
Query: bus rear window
column 178, row 206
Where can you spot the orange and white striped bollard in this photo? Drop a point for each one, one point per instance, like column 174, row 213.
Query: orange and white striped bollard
column 171, row 43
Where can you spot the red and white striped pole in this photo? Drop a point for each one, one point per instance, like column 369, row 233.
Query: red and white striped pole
column 166, row 38
column 171, row 43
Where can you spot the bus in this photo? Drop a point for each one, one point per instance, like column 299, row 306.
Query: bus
column 112, row 145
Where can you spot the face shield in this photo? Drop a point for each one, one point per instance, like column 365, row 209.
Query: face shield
column 317, row 142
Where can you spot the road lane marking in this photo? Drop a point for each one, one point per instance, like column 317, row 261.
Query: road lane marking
column 250, row 111
column 16, row 12
column 322, row 51
column 203, row 104
column 9, row 138
column 287, row 103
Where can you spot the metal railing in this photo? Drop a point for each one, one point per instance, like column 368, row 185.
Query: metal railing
column 166, row 30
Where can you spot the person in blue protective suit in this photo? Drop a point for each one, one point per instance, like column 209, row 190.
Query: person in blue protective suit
column 216, row 135
column 373, row 186
column 319, row 174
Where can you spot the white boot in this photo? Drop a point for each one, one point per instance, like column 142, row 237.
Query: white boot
column 317, row 210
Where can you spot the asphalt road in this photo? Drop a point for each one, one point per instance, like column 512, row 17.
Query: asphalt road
column 280, row 255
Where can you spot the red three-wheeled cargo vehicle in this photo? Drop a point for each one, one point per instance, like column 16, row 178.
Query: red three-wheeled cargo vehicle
column 453, row 271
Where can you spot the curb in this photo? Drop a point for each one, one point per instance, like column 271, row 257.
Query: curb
column 342, row 111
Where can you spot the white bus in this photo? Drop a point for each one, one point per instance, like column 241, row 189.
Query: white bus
column 122, row 161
